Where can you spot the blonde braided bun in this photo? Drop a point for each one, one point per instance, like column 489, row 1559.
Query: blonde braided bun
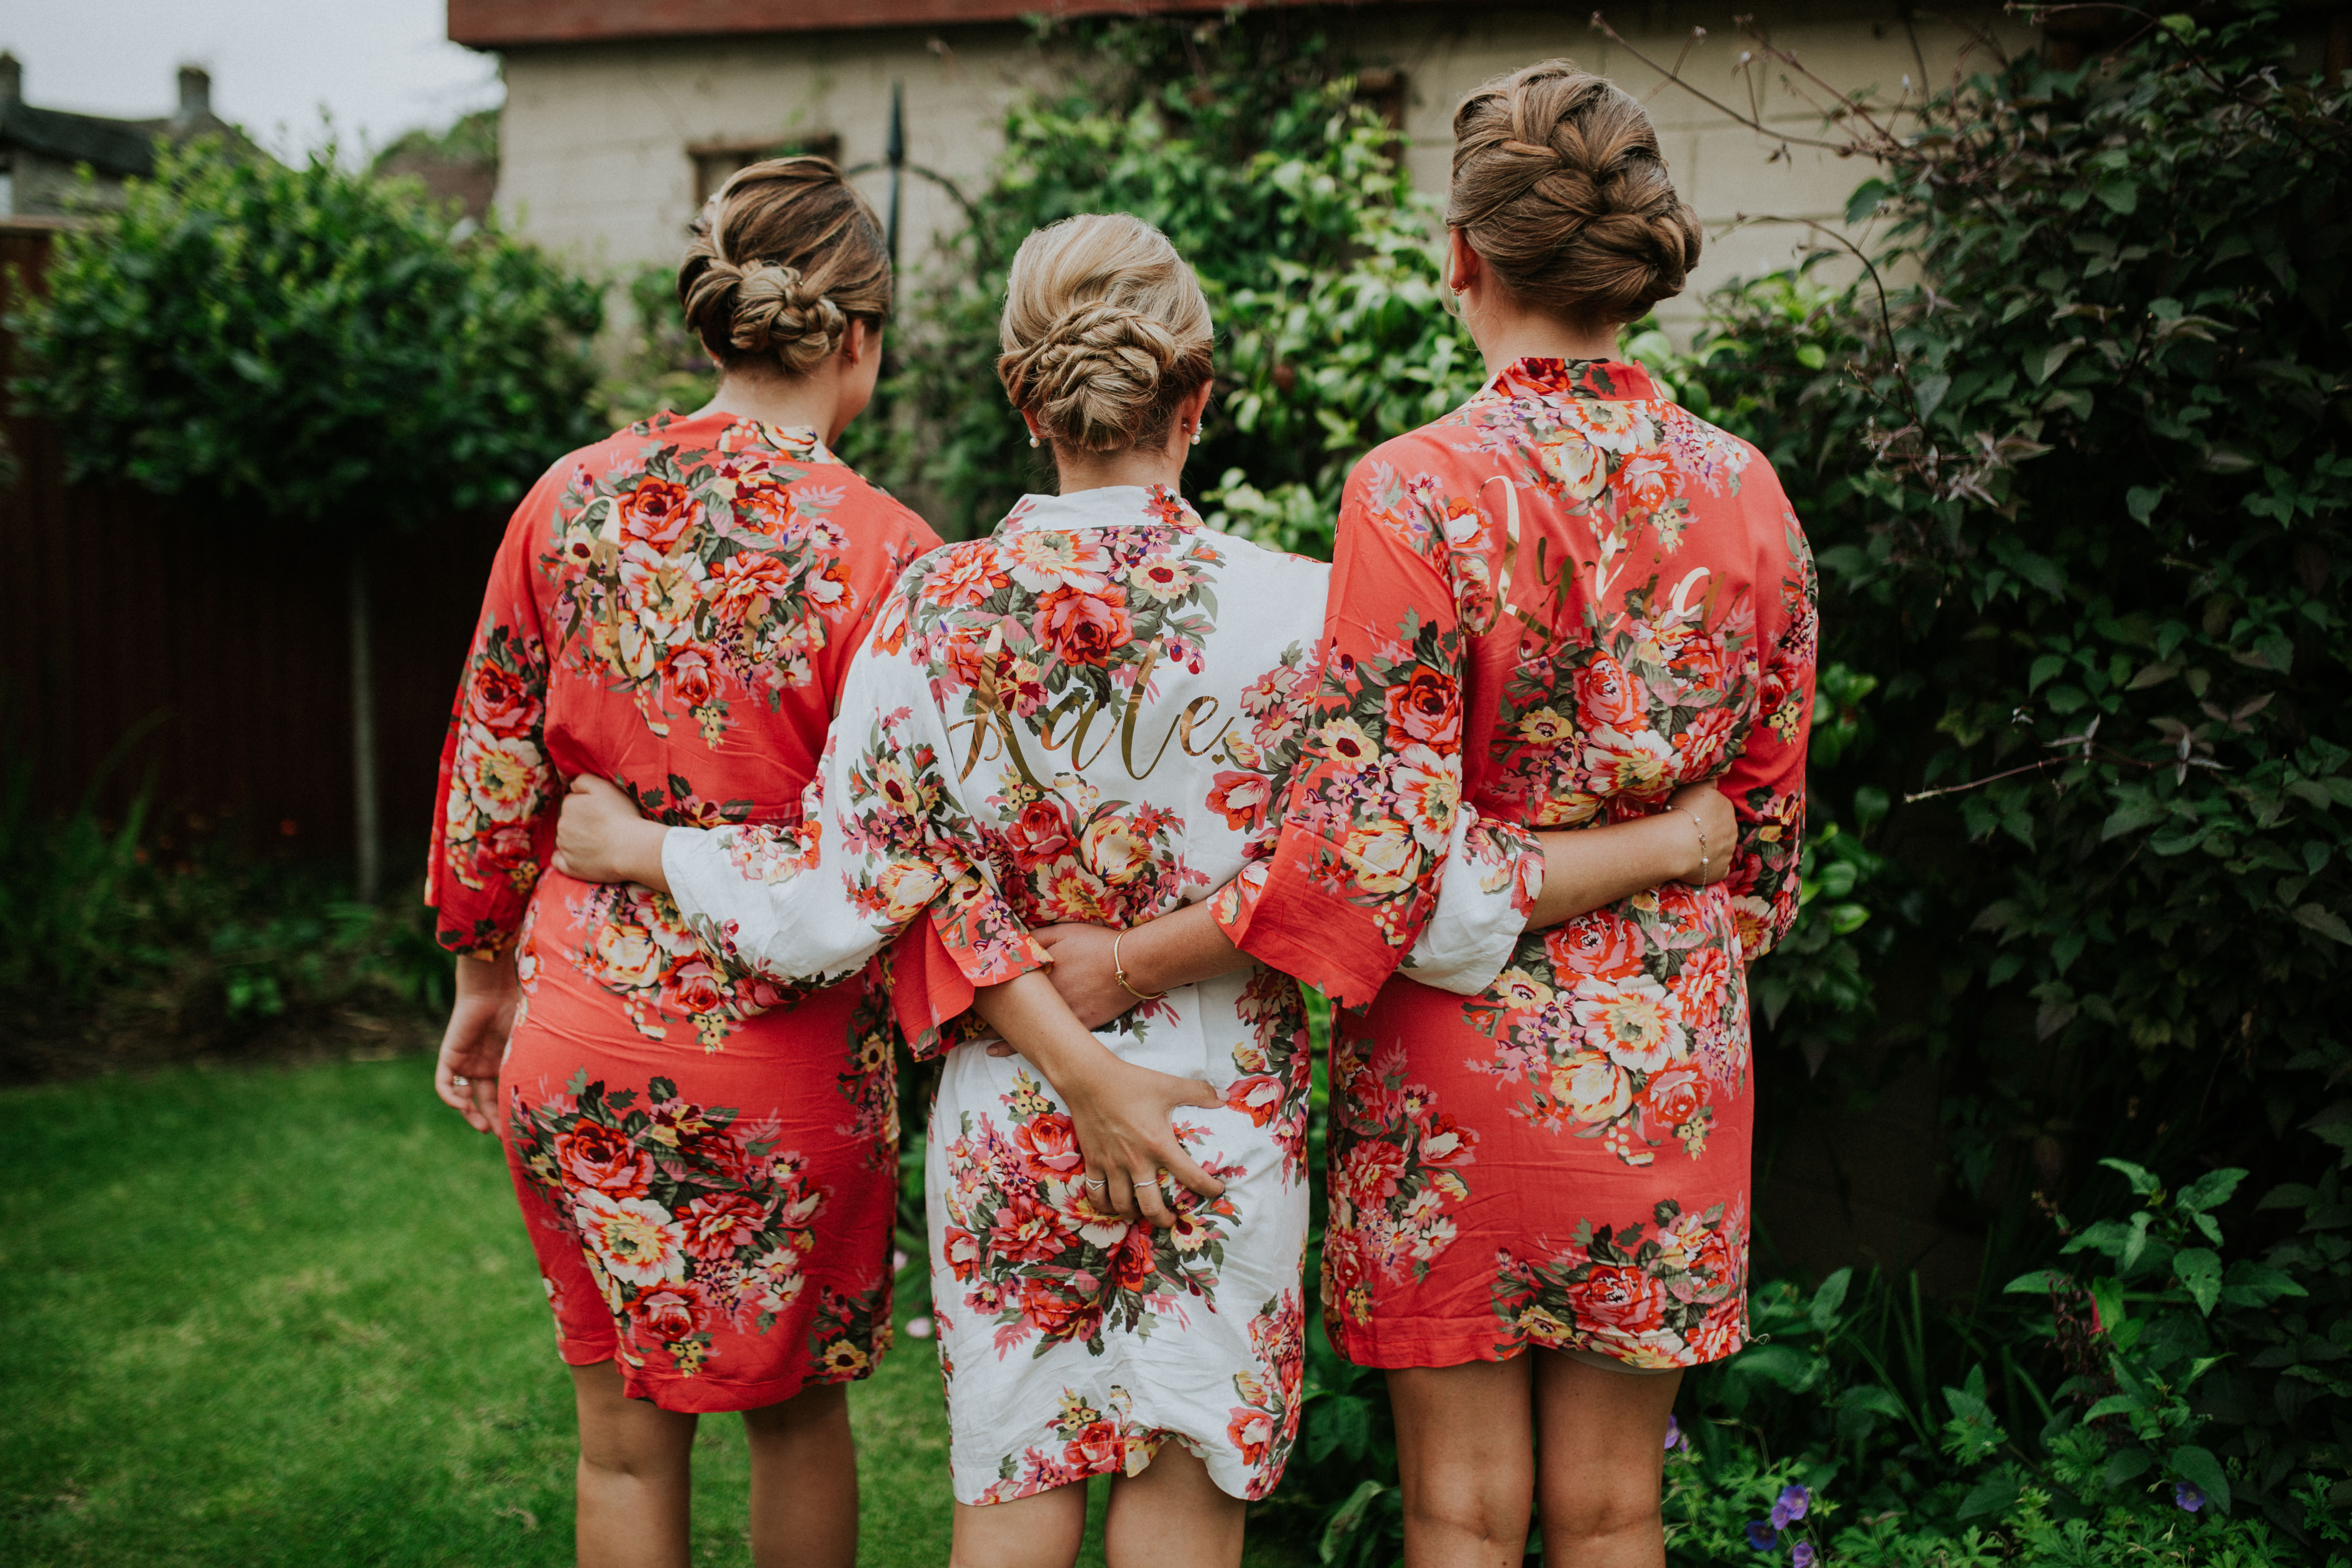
column 1560, row 187
column 781, row 260
column 1106, row 330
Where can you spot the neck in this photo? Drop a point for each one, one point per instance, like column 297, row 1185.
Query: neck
column 1136, row 466
column 1507, row 334
column 813, row 401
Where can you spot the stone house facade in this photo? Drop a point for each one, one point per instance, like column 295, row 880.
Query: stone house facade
column 619, row 118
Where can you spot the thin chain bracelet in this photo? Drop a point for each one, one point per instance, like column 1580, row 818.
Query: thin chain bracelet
column 1687, row 811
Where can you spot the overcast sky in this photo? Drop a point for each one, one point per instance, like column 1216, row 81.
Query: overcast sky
column 379, row 67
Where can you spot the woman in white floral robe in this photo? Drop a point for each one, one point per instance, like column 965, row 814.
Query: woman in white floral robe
column 1085, row 718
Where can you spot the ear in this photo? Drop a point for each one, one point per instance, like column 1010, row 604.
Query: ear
column 853, row 342
column 1462, row 264
column 1196, row 406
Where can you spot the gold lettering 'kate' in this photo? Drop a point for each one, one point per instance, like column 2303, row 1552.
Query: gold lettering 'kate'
column 1080, row 708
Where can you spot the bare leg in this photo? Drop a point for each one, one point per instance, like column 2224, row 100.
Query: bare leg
column 1604, row 1447
column 804, row 1481
column 1465, row 1450
column 635, row 1483
column 1041, row 1531
column 1171, row 1513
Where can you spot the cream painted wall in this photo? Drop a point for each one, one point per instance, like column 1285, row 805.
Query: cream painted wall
column 594, row 161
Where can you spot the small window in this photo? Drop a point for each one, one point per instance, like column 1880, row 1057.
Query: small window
column 714, row 161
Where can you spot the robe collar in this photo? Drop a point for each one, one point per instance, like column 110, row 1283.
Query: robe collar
column 1112, row 506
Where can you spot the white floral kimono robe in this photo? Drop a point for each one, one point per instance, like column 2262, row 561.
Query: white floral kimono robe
column 1086, row 717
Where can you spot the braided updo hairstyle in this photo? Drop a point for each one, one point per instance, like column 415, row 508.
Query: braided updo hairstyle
column 1106, row 330
column 1560, row 187
column 781, row 259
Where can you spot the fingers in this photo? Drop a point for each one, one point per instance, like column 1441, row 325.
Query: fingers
column 1150, row 1199
column 1197, row 1091
column 999, row 1048
column 484, row 1114
column 1122, row 1195
column 1182, row 1166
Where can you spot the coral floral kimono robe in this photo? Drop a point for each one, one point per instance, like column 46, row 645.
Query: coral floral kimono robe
column 1085, row 718
column 707, row 1160
column 1582, row 596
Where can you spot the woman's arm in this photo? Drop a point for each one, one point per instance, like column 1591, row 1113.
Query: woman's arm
column 602, row 838
column 1123, row 1113
column 1584, row 869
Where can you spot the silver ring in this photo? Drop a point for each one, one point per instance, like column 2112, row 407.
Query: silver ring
column 1102, row 1181
column 462, row 1082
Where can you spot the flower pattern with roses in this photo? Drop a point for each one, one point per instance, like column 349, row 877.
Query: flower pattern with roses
column 696, row 579
column 641, row 949
column 1396, row 1166
column 849, row 1332
column 1676, row 1296
column 687, row 1216
column 1265, row 1425
column 1083, row 1440
column 501, row 778
column 1029, row 1250
column 1276, row 1066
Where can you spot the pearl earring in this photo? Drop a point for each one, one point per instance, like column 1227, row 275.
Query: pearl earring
column 1032, row 440
column 1196, row 434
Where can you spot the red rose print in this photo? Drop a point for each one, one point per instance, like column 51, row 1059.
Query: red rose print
column 1057, row 1316
column 1130, row 1266
column 1096, row 1447
column 717, row 1225
column 596, row 1156
column 1241, row 799
column 1603, row 944
column 1374, row 1169
column 668, row 1312
column 1672, row 1097
column 693, row 987
column 1039, row 833
column 1083, row 626
column 1619, row 1296
column 1051, row 1145
column 1026, row 1231
column 657, row 512
column 1252, row 1432
column 1426, row 706
column 501, row 702
column 1610, row 696
column 961, row 1249
column 689, row 676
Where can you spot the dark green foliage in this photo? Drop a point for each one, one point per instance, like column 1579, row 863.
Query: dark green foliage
column 122, row 942
column 306, row 346
column 1244, row 143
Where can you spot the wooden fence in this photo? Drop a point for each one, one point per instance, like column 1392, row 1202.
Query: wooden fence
column 224, row 661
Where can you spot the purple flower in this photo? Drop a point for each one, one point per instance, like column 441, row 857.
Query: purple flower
column 1674, row 1438
column 2187, row 1496
column 1762, row 1535
column 1802, row 1557
column 1791, row 1505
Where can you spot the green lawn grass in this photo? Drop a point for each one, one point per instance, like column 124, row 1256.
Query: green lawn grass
column 290, row 1316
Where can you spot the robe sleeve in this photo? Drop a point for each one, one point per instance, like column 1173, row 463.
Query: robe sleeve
column 496, row 826
column 1766, row 782
column 884, row 835
column 1369, row 821
column 1494, row 874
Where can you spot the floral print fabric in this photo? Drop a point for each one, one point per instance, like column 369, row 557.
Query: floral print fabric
column 1566, row 598
column 1084, row 717
column 706, row 1157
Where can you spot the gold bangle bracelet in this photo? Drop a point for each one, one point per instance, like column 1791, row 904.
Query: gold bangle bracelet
column 1119, row 968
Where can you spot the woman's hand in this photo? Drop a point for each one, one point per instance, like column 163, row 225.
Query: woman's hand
column 1084, row 971
column 1721, row 825
column 1125, row 1119
column 475, row 1043
column 1123, row 1114
column 600, row 837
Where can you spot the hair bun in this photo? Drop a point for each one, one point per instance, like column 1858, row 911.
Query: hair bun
column 778, row 311
column 782, row 258
column 1559, row 186
column 1105, row 332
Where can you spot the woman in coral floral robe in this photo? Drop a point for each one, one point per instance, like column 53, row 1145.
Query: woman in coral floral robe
column 707, row 1160
column 1592, row 598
